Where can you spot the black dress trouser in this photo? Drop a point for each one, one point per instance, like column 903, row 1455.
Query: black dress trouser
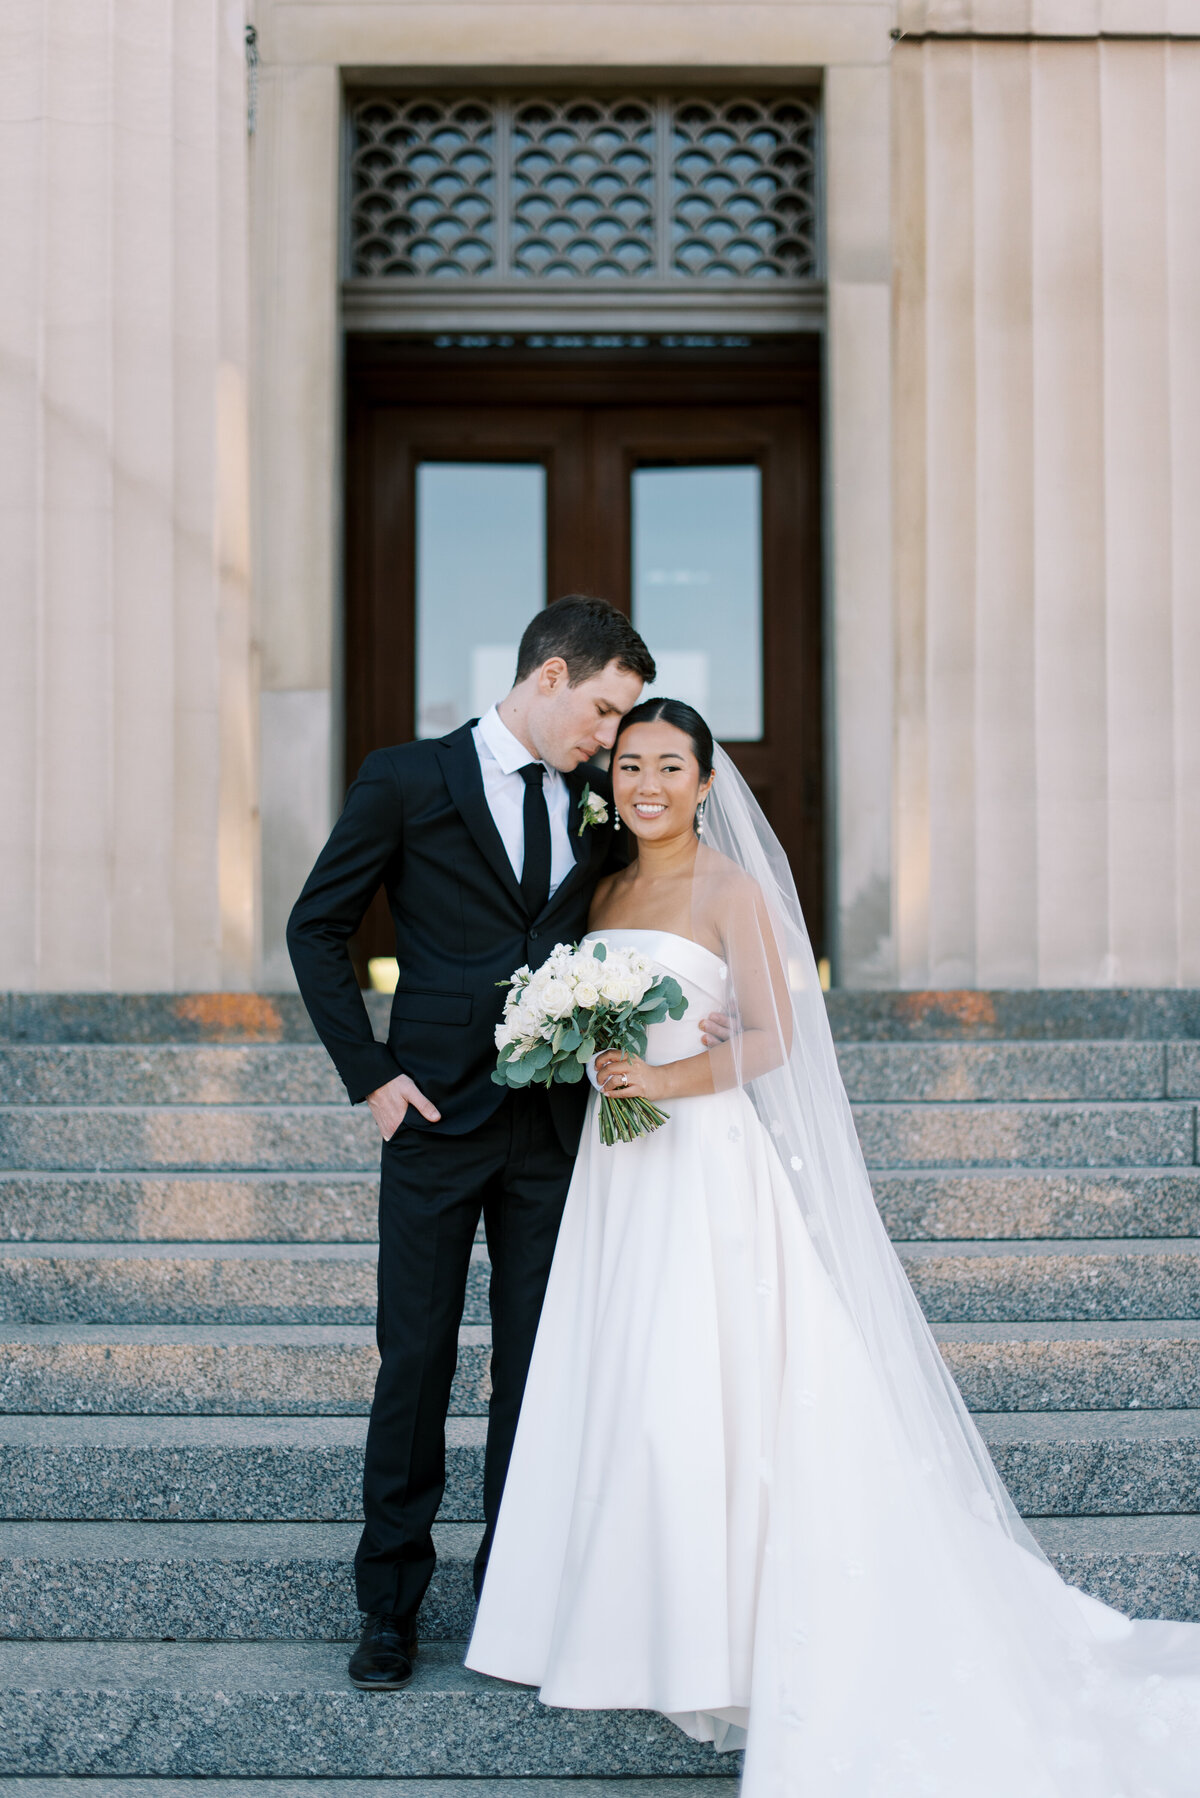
column 432, row 1190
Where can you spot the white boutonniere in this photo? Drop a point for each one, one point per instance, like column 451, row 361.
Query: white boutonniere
column 593, row 809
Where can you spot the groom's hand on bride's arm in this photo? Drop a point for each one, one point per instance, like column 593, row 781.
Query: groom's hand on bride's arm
column 717, row 1028
column 389, row 1104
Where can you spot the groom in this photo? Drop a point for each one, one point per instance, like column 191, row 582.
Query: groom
column 488, row 859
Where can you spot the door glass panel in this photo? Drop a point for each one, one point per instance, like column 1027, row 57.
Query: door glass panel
column 697, row 590
column 481, row 575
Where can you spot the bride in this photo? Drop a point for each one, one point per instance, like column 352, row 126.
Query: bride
column 745, row 1491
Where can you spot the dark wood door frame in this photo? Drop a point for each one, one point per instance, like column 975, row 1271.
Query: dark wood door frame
column 785, row 767
column 385, row 449
column 590, row 422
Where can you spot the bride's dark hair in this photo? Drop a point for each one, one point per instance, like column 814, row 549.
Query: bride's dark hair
column 683, row 716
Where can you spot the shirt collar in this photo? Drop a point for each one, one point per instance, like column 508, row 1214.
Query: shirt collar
column 503, row 746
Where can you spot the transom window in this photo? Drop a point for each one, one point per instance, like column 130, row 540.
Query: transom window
column 541, row 190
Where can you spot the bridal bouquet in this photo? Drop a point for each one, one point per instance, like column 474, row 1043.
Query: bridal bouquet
column 581, row 1002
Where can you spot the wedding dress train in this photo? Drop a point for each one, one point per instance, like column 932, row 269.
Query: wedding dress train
column 712, row 1510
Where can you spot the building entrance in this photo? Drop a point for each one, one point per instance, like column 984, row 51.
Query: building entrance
column 683, row 485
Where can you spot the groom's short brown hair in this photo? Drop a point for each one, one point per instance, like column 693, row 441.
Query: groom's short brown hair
column 588, row 634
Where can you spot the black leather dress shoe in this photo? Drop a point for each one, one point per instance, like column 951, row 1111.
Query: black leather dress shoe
column 387, row 1648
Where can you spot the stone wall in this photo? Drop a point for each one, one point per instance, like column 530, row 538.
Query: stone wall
column 127, row 785
column 1012, row 446
column 1047, row 537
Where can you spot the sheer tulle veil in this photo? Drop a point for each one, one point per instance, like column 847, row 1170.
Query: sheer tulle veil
column 802, row 1102
column 912, row 1638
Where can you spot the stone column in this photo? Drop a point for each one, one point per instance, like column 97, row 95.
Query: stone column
column 127, row 804
column 860, row 651
column 297, row 467
column 1046, row 461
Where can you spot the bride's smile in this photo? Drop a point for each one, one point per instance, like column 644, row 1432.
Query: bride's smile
column 658, row 784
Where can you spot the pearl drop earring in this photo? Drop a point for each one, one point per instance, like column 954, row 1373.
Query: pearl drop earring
column 616, row 819
column 700, row 817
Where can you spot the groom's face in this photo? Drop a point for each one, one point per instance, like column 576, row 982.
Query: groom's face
column 570, row 724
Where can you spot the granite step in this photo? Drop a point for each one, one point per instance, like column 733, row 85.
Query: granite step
column 203, row 1283
column 1144, row 1566
column 1096, row 1463
column 1014, row 1071
column 287, row 1138
column 272, row 1709
column 175, row 1074
column 308, row 1283
column 1130, row 1014
column 210, row 1468
column 329, row 1369
column 228, row 1582
column 207, row 1369
column 146, row 1138
column 1016, row 1014
column 1151, row 1365
column 1086, row 1134
column 99, row 1787
column 956, row 1203
column 258, row 1582
column 285, row 1710
column 296, row 1074
column 943, row 1014
column 1004, row 1282
column 46, row 1206
column 921, row 1203
column 300, row 1469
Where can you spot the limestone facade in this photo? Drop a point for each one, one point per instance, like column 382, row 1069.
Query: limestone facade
column 1012, row 458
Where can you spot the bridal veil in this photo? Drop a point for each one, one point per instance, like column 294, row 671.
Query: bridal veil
column 911, row 1636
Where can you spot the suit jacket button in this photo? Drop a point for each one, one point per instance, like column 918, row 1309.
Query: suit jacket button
column 533, row 936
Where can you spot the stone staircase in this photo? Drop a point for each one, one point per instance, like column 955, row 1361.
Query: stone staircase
column 187, row 1355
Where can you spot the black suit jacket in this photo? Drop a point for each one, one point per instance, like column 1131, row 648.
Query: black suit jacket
column 417, row 821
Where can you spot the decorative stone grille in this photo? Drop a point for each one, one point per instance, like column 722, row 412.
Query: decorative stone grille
column 743, row 178
column 582, row 188
column 424, row 176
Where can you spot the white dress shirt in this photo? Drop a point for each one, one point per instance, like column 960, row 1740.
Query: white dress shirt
column 500, row 756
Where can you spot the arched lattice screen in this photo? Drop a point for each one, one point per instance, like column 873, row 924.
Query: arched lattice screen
column 611, row 190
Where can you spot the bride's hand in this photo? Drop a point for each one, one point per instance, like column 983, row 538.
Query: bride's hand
column 629, row 1077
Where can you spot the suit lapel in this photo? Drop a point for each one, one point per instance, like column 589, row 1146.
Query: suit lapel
column 464, row 781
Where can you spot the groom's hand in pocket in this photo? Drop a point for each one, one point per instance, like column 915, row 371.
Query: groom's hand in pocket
column 389, row 1105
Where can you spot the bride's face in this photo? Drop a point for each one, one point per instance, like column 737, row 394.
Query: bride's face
column 656, row 781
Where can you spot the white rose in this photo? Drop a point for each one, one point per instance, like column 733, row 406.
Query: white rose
column 504, row 1035
column 557, row 999
column 618, row 987
column 586, row 995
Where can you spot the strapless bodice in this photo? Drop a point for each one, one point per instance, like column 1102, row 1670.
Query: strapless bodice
column 700, row 973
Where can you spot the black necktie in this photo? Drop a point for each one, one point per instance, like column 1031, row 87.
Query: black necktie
column 535, row 869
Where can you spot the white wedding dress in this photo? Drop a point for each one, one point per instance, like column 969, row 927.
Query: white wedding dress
column 713, row 1510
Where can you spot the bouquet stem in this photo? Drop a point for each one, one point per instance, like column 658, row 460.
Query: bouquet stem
column 622, row 1120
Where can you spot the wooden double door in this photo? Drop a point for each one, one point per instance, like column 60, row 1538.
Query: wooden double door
column 687, row 493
